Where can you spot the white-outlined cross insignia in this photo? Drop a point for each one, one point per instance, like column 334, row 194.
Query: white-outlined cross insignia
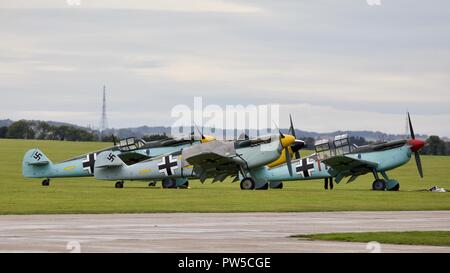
column 88, row 164
column 168, row 165
column 306, row 167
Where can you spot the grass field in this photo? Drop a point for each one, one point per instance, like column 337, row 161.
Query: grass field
column 86, row 195
column 432, row 238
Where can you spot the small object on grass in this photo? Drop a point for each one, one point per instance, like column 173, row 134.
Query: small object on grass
column 437, row 189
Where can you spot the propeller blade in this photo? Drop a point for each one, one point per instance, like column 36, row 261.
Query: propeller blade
column 114, row 140
column 288, row 160
column 278, row 128
column 200, row 132
column 418, row 163
column 411, row 130
column 292, row 127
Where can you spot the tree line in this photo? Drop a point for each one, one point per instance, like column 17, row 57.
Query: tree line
column 24, row 129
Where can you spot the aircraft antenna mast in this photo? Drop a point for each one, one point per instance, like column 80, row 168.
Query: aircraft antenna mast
column 104, row 120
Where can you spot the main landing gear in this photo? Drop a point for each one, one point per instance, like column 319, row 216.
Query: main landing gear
column 46, row 182
column 247, row 184
column 119, row 184
column 384, row 184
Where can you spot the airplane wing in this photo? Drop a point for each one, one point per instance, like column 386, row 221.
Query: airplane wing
column 343, row 166
column 215, row 160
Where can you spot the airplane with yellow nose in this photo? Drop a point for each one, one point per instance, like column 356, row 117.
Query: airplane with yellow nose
column 215, row 160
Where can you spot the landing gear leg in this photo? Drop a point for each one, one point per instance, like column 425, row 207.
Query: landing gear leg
column 331, row 183
column 326, row 184
column 391, row 184
column 119, row 185
column 378, row 184
column 46, row 182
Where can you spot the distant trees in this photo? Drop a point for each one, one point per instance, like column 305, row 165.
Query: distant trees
column 3, row 131
column 23, row 129
column 436, row 146
column 20, row 129
column 155, row 137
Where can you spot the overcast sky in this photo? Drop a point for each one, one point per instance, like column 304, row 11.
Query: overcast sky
column 332, row 64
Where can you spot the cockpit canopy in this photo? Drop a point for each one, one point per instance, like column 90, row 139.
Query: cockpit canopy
column 131, row 144
column 340, row 145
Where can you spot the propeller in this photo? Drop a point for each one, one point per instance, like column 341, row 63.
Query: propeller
column 299, row 144
column 200, row 132
column 416, row 145
column 288, row 160
column 286, row 149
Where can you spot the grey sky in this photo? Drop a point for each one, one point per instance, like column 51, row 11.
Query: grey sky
column 332, row 64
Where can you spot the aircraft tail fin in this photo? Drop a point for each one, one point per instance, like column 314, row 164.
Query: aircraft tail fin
column 36, row 164
column 108, row 166
column 108, row 160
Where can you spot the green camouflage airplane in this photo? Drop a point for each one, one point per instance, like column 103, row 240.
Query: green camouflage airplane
column 338, row 159
column 215, row 159
column 131, row 150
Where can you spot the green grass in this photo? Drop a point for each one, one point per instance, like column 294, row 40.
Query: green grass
column 432, row 238
column 86, row 195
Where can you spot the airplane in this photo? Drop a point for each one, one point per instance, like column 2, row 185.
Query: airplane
column 36, row 164
column 215, row 159
column 337, row 160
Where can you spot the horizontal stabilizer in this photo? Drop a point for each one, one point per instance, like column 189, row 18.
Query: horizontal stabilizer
column 108, row 159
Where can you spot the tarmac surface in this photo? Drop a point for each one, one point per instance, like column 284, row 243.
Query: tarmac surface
column 209, row 232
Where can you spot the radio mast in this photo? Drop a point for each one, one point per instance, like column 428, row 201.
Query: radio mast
column 104, row 120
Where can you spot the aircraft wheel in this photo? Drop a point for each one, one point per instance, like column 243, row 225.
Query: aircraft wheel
column 265, row 187
column 247, row 184
column 46, row 182
column 168, row 183
column 379, row 185
column 119, row 184
column 152, row 184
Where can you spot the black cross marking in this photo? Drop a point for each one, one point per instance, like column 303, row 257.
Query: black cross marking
column 168, row 165
column 111, row 157
column 89, row 163
column 305, row 167
column 37, row 156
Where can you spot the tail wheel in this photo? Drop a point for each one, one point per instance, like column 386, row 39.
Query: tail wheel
column 119, row 185
column 46, row 182
column 247, row 184
column 169, row 183
column 152, row 184
column 379, row 185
